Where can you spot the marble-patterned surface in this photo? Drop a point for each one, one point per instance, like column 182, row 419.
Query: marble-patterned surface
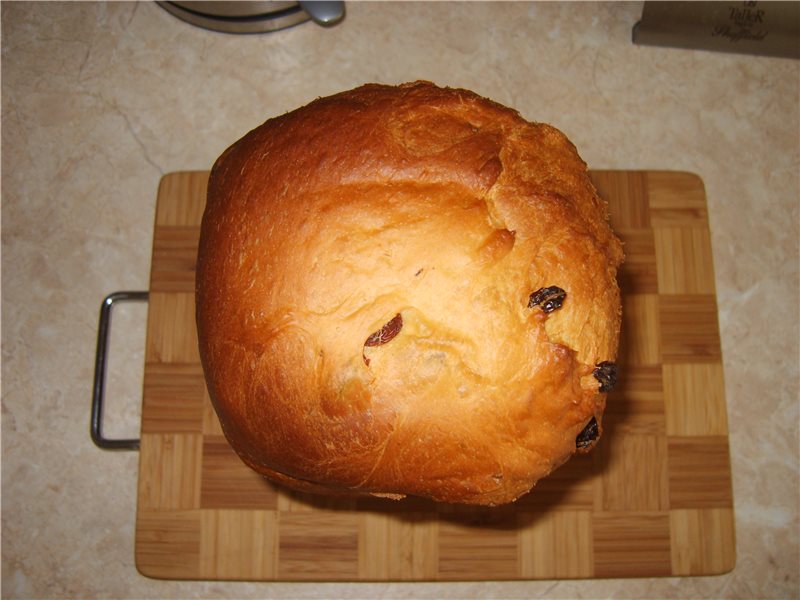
column 100, row 100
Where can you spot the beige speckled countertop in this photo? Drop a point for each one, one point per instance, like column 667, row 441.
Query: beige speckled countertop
column 100, row 100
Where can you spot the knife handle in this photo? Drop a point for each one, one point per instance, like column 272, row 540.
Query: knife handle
column 101, row 356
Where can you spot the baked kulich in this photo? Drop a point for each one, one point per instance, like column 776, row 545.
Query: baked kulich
column 407, row 290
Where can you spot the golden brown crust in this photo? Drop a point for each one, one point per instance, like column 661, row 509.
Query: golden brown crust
column 435, row 204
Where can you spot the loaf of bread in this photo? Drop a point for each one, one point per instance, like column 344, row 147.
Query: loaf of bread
column 407, row 290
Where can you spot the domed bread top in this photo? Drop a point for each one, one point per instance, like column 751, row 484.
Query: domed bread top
column 407, row 290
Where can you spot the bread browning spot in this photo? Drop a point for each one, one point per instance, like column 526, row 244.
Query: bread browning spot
column 352, row 397
column 497, row 246
column 429, row 131
column 548, row 299
column 356, row 395
column 490, row 171
column 385, row 334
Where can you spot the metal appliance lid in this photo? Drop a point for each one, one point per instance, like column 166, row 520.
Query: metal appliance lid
column 254, row 17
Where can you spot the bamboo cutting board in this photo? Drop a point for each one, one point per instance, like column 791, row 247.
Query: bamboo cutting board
column 654, row 498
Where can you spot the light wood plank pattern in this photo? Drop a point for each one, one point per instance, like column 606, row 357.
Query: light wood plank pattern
column 238, row 544
column 689, row 328
column 467, row 548
column 683, row 384
column 168, row 543
column 702, row 541
column 398, row 549
column 228, row 483
column 639, row 342
column 699, row 472
column 634, row 544
column 653, row 499
column 557, row 544
column 318, row 545
column 174, row 258
column 174, row 398
column 679, row 245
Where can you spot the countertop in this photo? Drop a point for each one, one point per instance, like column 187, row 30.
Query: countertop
column 100, row 100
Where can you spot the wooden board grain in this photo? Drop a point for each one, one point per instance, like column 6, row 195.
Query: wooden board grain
column 653, row 499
